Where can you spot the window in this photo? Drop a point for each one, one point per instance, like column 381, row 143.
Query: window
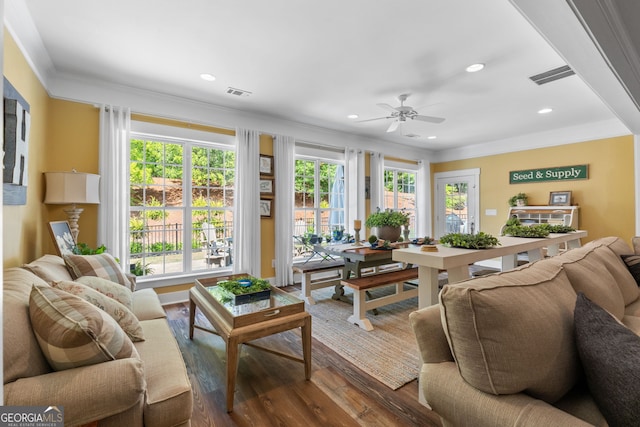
column 318, row 199
column 181, row 204
column 400, row 193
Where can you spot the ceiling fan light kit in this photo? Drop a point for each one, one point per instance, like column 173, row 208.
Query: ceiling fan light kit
column 402, row 113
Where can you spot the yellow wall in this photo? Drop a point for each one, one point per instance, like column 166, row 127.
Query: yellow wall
column 72, row 143
column 606, row 199
column 24, row 227
column 267, row 225
column 64, row 135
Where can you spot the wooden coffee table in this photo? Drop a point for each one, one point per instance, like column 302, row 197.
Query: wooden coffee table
column 243, row 323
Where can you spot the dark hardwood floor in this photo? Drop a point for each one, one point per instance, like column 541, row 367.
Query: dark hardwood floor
column 272, row 391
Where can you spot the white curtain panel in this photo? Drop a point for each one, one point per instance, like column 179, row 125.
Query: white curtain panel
column 355, row 194
column 246, row 218
column 113, row 211
column 423, row 200
column 377, row 182
column 284, row 166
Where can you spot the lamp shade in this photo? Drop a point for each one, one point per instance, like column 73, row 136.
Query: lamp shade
column 65, row 188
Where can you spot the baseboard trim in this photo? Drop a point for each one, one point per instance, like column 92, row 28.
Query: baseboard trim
column 174, row 297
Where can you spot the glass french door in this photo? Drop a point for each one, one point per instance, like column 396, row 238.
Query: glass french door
column 456, row 204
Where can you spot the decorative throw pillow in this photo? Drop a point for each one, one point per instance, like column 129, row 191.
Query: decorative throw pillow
column 73, row 333
column 512, row 332
column 633, row 264
column 102, row 265
column 610, row 355
column 111, row 289
column 120, row 313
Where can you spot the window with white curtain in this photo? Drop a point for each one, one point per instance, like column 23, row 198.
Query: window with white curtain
column 181, row 202
column 319, row 195
column 400, row 186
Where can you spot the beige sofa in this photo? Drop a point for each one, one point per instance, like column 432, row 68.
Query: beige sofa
column 152, row 389
column 515, row 348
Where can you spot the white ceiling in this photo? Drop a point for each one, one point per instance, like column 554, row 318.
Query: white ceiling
column 317, row 62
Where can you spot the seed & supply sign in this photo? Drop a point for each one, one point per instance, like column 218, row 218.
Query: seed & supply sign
column 562, row 173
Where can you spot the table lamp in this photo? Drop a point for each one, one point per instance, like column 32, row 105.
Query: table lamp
column 72, row 188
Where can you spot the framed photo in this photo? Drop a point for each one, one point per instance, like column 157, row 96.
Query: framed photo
column 61, row 235
column 265, row 208
column 266, row 164
column 266, row 187
column 560, row 198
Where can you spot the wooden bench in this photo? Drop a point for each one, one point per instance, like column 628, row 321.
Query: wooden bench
column 361, row 285
column 317, row 275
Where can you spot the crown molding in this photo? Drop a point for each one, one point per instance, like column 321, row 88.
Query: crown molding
column 73, row 88
column 569, row 135
column 19, row 24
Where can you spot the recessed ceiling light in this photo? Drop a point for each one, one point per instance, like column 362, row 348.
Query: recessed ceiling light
column 474, row 67
column 545, row 111
column 208, row 77
column 352, row 116
column 432, row 137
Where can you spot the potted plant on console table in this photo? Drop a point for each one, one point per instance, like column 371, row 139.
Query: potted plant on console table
column 388, row 223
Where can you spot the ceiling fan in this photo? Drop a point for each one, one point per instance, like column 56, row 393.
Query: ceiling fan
column 402, row 113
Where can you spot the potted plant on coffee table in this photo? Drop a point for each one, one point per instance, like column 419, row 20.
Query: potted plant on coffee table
column 388, row 223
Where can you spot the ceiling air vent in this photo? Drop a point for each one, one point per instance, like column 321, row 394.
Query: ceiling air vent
column 552, row 75
column 237, row 92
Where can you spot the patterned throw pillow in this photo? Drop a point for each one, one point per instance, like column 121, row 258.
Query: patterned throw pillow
column 610, row 355
column 102, row 265
column 120, row 313
column 111, row 289
column 633, row 264
column 73, row 333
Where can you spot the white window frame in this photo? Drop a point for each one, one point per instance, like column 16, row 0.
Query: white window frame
column 189, row 137
column 307, row 152
column 396, row 166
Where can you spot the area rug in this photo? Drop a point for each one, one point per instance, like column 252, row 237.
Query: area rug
column 388, row 353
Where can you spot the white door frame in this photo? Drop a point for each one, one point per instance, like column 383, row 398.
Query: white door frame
column 472, row 176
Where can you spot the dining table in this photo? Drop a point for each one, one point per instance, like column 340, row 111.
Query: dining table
column 456, row 261
column 356, row 258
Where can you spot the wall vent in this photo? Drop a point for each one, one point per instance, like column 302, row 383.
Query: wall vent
column 237, row 92
column 552, row 75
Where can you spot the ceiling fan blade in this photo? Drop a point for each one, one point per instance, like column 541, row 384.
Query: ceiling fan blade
column 387, row 107
column 428, row 119
column 378, row 118
column 394, row 125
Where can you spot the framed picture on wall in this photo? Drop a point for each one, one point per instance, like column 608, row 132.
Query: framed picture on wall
column 266, row 187
column 560, row 198
column 265, row 208
column 61, row 235
column 266, row 164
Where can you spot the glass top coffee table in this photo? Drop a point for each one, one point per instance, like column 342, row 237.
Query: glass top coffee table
column 239, row 324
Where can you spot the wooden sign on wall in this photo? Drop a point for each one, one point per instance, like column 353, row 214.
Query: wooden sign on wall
column 562, row 173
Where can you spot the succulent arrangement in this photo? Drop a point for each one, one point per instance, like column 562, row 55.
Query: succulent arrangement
column 481, row 240
column 514, row 228
column 535, row 230
column 424, row 241
column 559, row 228
column 236, row 286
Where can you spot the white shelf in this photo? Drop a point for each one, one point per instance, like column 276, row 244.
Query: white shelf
column 557, row 215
